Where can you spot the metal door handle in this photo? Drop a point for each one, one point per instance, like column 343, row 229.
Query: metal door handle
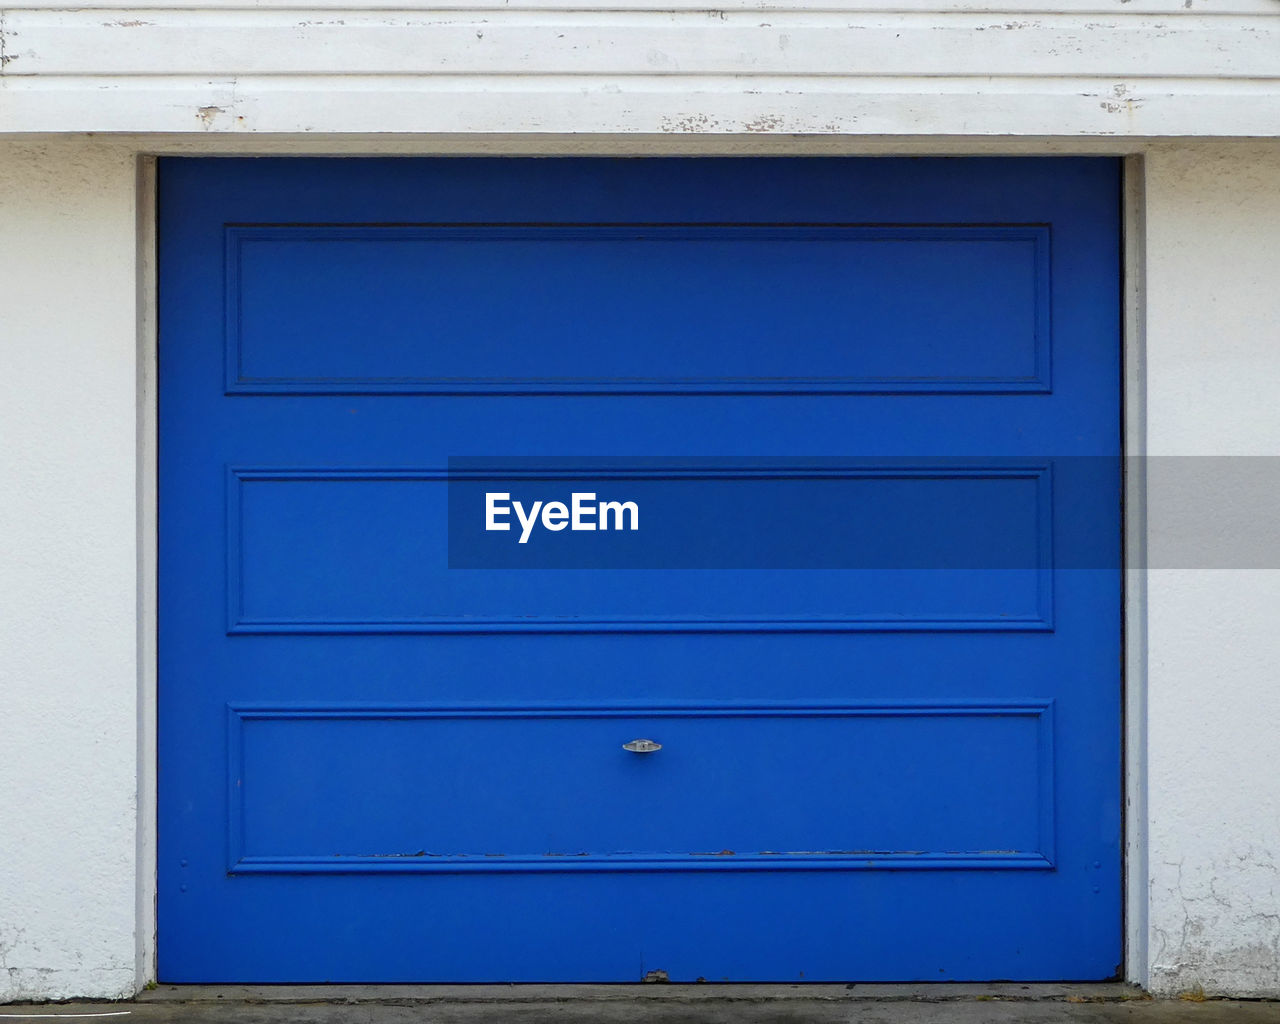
column 642, row 746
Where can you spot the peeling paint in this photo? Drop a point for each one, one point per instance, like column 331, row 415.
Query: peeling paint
column 688, row 123
column 208, row 114
column 5, row 57
column 1226, row 937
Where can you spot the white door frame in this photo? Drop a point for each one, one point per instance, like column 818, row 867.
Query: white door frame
column 1135, row 909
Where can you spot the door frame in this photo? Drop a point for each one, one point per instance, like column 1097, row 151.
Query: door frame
column 1134, row 968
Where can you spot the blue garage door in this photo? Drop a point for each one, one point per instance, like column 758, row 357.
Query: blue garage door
column 576, row 569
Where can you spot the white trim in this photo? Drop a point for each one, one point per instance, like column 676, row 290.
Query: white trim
column 1097, row 107
column 565, row 144
column 1135, row 576
column 1106, row 8
column 148, row 508
column 1155, row 68
column 923, row 52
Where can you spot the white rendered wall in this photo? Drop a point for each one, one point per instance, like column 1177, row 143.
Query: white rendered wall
column 68, row 672
column 1213, row 730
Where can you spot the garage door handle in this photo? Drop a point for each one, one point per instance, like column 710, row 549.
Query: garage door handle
column 642, row 746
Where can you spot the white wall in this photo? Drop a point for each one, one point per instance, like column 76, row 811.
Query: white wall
column 68, row 680
column 1213, row 731
column 74, row 844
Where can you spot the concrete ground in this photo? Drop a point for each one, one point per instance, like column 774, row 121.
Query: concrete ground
column 653, row 1004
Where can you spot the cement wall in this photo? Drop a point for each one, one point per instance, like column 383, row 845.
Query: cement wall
column 1213, row 389
column 68, row 606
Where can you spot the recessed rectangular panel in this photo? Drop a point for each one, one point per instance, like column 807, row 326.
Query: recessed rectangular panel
column 639, row 309
column 958, row 784
column 718, row 550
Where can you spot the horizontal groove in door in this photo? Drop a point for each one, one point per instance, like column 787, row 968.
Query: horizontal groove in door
column 637, row 309
column 376, row 788
column 389, row 570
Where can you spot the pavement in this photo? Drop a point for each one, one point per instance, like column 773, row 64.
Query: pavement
column 653, row 1004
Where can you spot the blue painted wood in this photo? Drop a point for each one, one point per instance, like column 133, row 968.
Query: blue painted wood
column 588, row 309
column 378, row 765
column 330, row 746
column 974, row 516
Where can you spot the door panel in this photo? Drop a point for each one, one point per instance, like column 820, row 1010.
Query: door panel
column 868, row 413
